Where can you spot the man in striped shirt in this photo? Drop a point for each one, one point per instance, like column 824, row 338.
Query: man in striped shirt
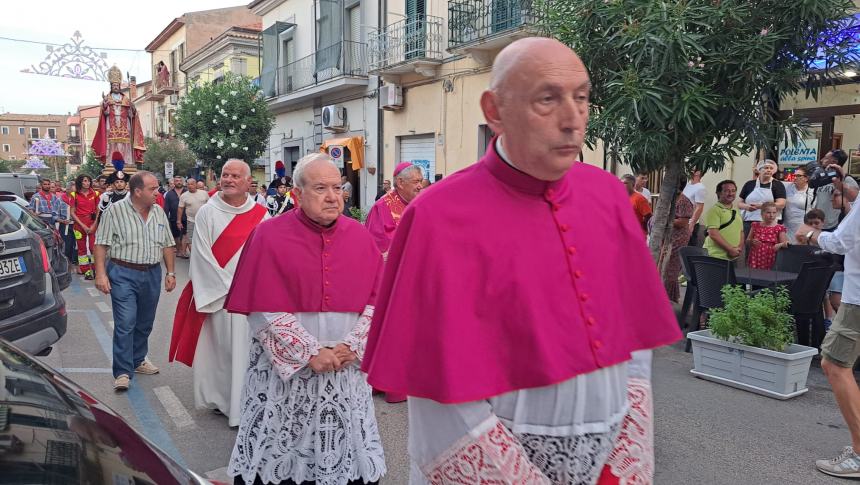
column 138, row 234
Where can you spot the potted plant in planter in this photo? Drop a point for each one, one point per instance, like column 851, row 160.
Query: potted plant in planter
column 748, row 345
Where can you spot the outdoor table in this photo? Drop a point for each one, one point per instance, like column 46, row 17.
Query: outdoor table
column 764, row 277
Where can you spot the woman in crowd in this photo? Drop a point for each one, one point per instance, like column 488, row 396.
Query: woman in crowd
column 681, row 230
column 798, row 201
column 762, row 189
column 766, row 238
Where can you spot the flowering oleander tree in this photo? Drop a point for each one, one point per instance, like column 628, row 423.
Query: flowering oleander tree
column 229, row 119
column 681, row 85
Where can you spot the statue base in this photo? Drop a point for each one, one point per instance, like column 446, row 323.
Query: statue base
column 130, row 168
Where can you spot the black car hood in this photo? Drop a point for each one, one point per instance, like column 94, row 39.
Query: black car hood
column 52, row 431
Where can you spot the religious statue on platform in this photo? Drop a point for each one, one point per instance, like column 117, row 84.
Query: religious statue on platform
column 119, row 127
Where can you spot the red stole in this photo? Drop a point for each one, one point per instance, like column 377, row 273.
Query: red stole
column 188, row 322
column 395, row 204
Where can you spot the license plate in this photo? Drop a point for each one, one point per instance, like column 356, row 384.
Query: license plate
column 12, row 266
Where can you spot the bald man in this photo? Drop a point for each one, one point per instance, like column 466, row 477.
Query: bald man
column 206, row 337
column 515, row 352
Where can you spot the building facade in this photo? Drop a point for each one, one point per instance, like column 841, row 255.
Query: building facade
column 18, row 131
column 183, row 37
column 315, row 78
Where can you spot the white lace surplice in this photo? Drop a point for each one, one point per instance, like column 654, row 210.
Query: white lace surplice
column 300, row 425
column 559, row 434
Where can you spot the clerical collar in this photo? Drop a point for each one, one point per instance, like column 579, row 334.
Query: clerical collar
column 507, row 173
column 307, row 221
column 501, row 151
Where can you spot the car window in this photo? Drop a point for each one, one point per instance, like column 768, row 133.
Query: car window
column 21, row 215
column 8, row 223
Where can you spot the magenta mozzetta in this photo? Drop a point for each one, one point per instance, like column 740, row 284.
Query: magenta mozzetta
column 533, row 283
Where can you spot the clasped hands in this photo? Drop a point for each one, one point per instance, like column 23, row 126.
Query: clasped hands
column 332, row 359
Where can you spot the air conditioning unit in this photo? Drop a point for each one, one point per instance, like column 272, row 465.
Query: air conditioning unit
column 334, row 118
column 391, row 97
column 174, row 99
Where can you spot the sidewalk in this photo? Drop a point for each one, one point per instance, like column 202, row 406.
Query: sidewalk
column 707, row 433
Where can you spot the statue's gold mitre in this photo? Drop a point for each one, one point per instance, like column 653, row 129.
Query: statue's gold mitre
column 115, row 75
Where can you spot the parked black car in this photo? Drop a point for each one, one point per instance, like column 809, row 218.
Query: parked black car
column 32, row 309
column 52, row 431
column 19, row 209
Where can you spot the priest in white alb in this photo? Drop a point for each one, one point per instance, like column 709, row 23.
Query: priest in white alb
column 206, row 337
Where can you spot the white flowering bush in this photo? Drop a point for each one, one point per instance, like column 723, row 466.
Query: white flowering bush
column 225, row 120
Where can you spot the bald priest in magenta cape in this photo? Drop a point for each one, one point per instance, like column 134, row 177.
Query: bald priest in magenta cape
column 519, row 301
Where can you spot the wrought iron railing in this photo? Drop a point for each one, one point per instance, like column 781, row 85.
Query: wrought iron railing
column 341, row 59
column 74, row 139
column 411, row 38
column 473, row 20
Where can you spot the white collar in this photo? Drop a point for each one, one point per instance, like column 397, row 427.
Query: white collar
column 501, row 151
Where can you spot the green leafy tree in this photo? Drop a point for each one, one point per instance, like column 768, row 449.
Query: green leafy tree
column 92, row 166
column 6, row 166
column 160, row 151
column 229, row 119
column 681, row 85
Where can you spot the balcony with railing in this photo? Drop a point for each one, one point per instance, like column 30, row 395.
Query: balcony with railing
column 74, row 140
column 489, row 24
column 410, row 45
column 334, row 68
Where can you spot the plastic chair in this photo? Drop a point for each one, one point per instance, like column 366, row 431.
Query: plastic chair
column 689, row 295
column 710, row 274
column 792, row 258
column 807, row 292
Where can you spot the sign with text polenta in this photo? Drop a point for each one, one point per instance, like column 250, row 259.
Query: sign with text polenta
column 803, row 152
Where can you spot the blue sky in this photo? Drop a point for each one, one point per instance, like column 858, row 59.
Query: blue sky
column 101, row 23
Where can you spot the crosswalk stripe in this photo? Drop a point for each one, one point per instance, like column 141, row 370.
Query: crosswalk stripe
column 93, row 292
column 174, row 407
column 103, row 307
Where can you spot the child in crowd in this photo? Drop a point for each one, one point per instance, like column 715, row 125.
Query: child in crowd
column 813, row 219
column 766, row 238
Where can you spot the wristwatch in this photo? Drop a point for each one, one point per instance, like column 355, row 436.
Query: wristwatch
column 171, row 274
column 809, row 236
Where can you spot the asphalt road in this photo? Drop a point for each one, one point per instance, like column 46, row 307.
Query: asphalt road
column 705, row 433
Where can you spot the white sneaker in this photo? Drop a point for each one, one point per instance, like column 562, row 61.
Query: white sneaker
column 846, row 465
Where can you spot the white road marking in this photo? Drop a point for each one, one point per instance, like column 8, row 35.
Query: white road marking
column 174, row 407
column 85, row 370
column 93, row 292
column 219, row 474
column 110, row 324
column 103, row 307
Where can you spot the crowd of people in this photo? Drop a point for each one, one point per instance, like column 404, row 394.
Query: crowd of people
column 766, row 217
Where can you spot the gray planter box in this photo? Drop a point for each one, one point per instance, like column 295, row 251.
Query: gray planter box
column 780, row 375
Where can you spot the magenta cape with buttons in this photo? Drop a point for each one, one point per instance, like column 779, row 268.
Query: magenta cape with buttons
column 497, row 281
column 290, row 264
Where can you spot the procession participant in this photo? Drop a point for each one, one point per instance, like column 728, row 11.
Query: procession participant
column 189, row 203
column 280, row 202
column 206, row 337
column 386, row 187
column 84, row 202
column 514, row 351
column 136, row 232
column 42, row 202
column 171, row 208
column 386, row 212
column 307, row 411
column 280, row 177
column 116, row 184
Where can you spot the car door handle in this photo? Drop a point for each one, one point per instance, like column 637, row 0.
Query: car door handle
column 6, row 304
